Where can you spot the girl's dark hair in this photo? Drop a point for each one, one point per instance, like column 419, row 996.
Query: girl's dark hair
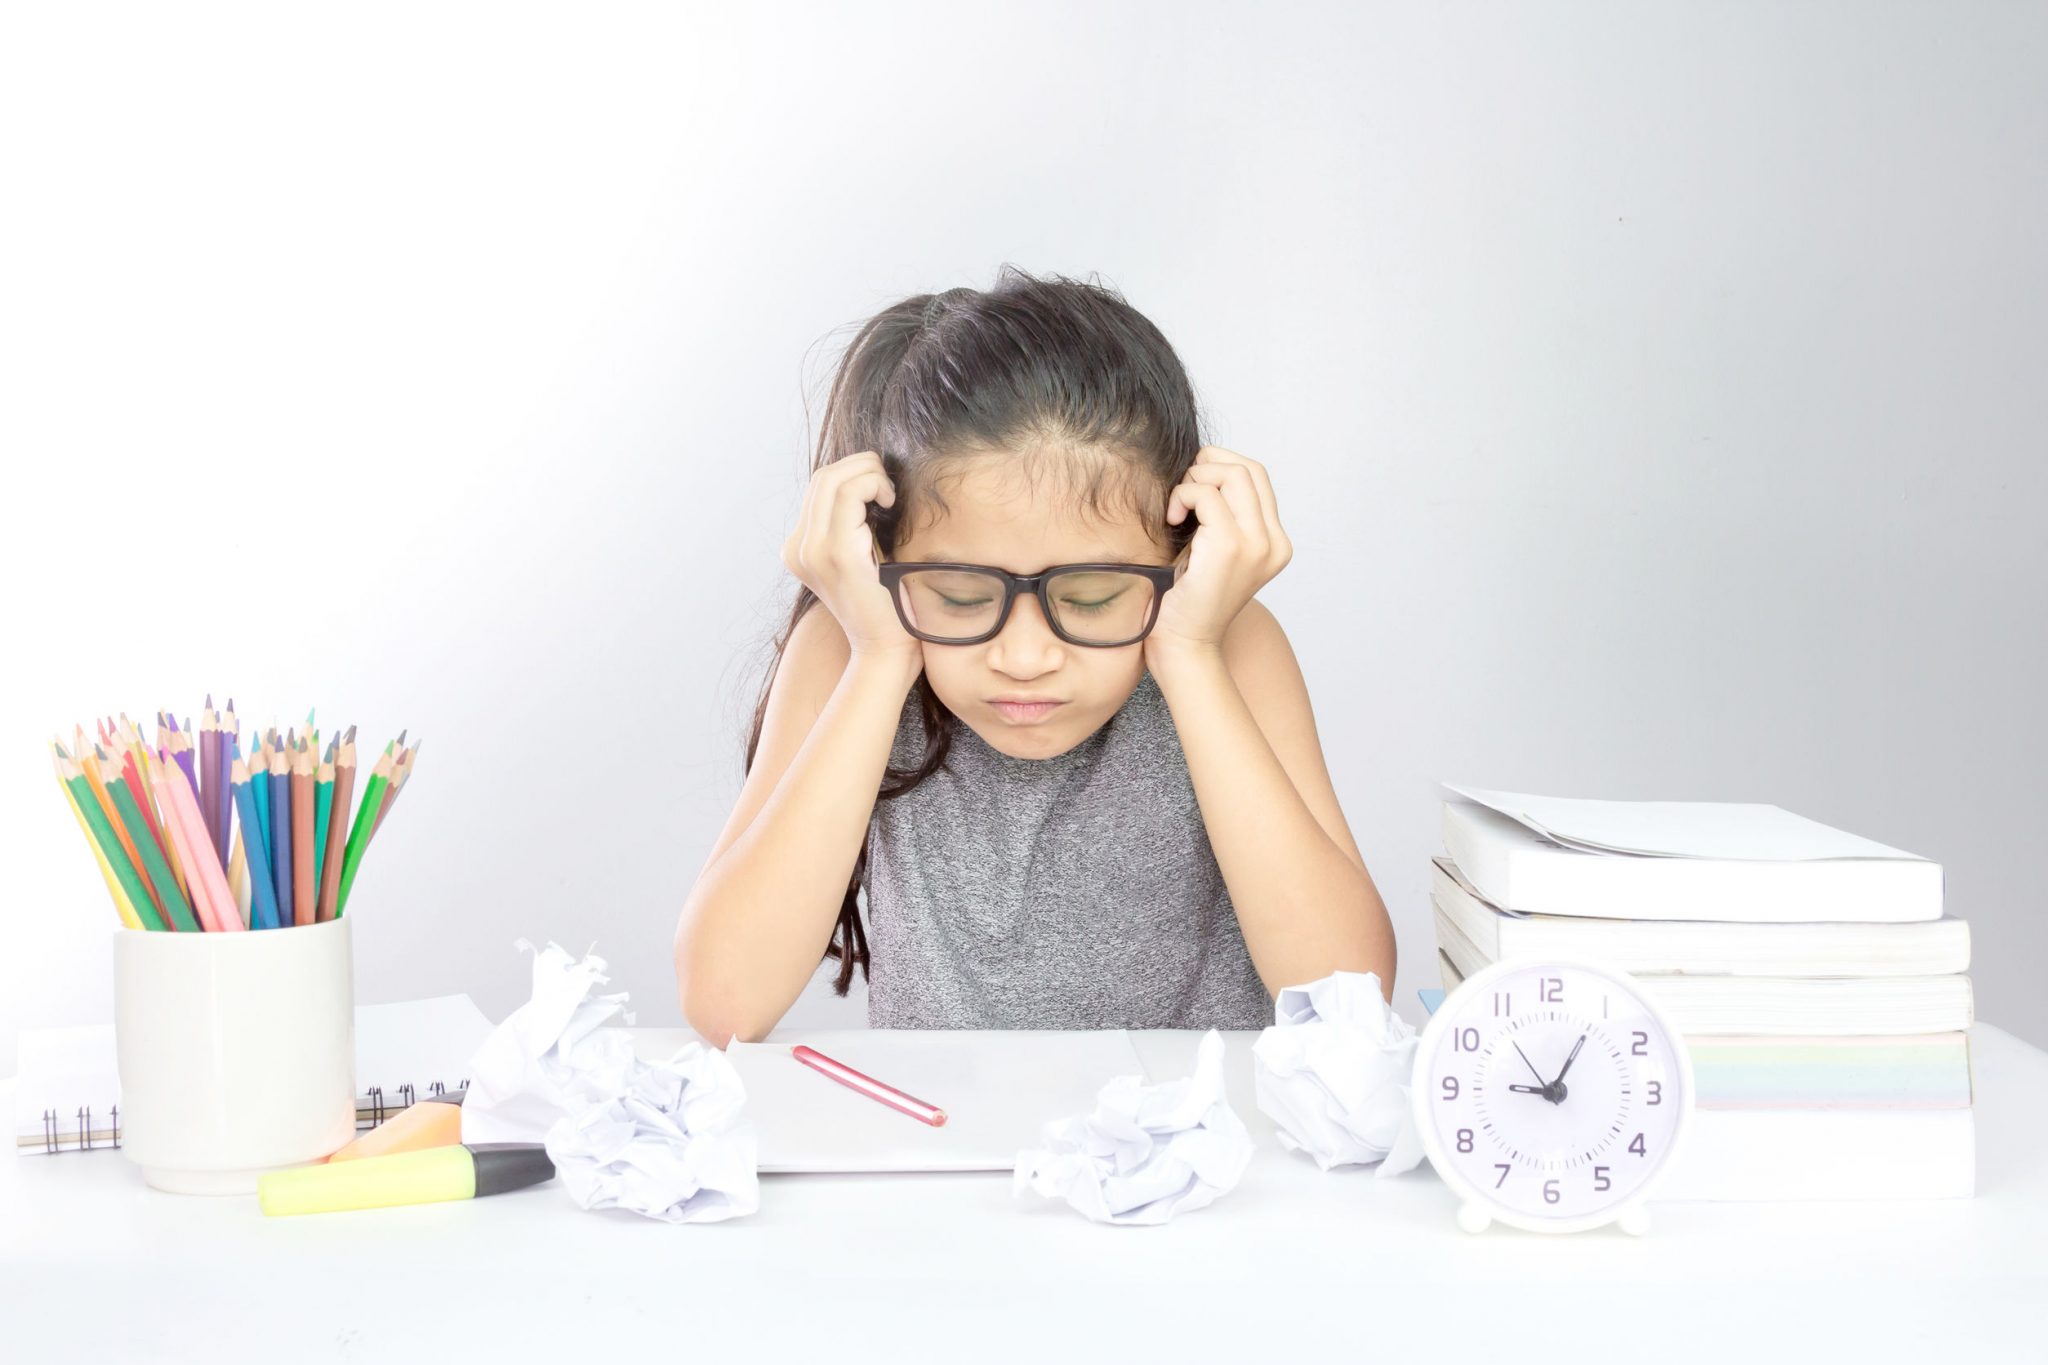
column 1061, row 369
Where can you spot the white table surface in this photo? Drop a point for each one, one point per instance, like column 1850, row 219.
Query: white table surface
column 1294, row 1265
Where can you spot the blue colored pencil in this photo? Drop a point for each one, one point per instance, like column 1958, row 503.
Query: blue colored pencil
column 262, row 901
column 281, row 832
column 259, row 783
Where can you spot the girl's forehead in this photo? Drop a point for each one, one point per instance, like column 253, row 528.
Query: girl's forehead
column 985, row 517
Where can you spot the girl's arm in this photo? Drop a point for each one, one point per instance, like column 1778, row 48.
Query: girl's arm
column 1304, row 900
column 757, row 923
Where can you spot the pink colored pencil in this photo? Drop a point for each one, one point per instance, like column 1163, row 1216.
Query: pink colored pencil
column 869, row 1086
column 202, row 865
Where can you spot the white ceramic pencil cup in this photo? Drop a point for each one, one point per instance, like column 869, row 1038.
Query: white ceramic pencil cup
column 237, row 1052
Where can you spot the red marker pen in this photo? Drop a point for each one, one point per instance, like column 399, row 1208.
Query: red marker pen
column 869, row 1086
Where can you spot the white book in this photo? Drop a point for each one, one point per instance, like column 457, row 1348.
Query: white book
column 1705, row 947
column 1778, row 1154
column 1797, row 1005
column 999, row 1089
column 1678, row 860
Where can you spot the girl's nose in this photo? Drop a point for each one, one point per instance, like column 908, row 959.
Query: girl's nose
column 1026, row 645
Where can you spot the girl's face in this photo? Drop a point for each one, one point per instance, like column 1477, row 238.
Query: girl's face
column 994, row 517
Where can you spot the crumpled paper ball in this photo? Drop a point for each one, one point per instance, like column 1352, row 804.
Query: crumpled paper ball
column 1334, row 1074
column 672, row 1147
column 667, row 1140
column 1147, row 1152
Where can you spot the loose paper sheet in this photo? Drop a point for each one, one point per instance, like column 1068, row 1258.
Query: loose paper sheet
column 1678, row 829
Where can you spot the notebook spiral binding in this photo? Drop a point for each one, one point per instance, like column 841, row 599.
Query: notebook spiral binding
column 371, row 1110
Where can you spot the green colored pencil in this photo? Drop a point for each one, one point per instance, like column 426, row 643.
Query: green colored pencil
column 175, row 905
column 359, row 832
column 323, row 808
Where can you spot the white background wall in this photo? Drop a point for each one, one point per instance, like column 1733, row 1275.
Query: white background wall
column 1653, row 395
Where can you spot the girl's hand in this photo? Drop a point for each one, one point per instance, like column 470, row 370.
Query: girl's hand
column 1238, row 548
column 833, row 552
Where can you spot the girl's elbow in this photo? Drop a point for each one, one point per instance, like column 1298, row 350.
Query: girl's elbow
column 710, row 1007
column 718, row 1019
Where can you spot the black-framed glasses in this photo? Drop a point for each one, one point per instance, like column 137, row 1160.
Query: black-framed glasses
column 1098, row 605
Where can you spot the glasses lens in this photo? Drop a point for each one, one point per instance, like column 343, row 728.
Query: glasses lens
column 1101, row 607
column 952, row 604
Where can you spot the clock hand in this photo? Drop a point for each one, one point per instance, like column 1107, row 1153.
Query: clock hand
column 1569, row 1060
column 1531, row 1065
column 1531, row 1090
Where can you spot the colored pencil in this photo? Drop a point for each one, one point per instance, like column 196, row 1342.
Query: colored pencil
column 281, row 832
column 209, row 878
column 337, row 827
column 161, row 773
column 244, row 893
column 401, row 773
column 359, row 834
column 181, row 751
column 224, row 807
column 125, row 871
column 130, row 743
column 263, row 912
column 123, row 904
column 176, row 912
column 259, row 767
column 323, row 807
column 921, row 1110
column 88, row 757
column 210, row 778
column 304, row 888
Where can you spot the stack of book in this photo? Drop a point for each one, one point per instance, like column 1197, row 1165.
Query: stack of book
column 1819, row 986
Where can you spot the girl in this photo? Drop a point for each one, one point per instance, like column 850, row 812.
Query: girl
column 1040, row 721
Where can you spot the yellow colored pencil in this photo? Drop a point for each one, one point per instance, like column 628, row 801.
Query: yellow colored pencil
column 238, row 865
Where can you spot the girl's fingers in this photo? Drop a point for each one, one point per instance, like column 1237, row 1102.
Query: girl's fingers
column 1235, row 483
column 1207, row 503
column 1262, row 482
column 851, row 498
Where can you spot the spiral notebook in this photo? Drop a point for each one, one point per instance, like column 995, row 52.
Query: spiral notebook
column 67, row 1093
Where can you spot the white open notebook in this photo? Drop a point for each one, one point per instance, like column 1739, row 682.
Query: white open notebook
column 998, row 1088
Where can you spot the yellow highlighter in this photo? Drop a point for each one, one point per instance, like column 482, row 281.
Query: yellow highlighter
column 427, row 1176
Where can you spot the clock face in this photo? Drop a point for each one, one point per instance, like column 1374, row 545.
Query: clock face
column 1550, row 1092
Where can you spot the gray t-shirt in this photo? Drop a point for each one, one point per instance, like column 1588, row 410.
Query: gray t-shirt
column 1072, row 892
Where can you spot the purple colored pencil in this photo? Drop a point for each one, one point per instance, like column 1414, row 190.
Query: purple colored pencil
column 225, row 766
column 184, row 759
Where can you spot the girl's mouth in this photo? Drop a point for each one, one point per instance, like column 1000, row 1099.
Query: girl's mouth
column 1025, row 712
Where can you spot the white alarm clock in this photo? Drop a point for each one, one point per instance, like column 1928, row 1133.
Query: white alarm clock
column 1551, row 1095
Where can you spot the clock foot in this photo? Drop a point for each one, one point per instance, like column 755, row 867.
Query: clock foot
column 1474, row 1218
column 1634, row 1220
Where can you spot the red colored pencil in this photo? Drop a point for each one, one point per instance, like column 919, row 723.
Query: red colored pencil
column 869, row 1086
